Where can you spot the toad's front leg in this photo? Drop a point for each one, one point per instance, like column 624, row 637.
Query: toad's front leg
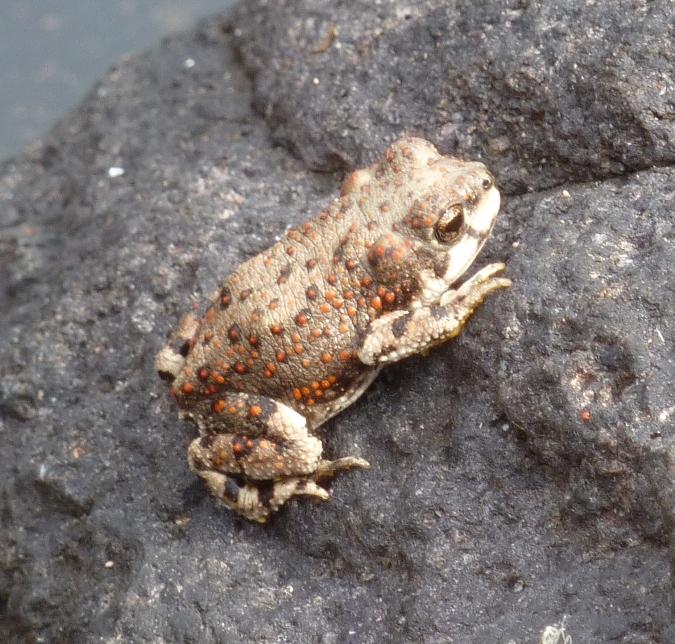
column 261, row 454
column 399, row 334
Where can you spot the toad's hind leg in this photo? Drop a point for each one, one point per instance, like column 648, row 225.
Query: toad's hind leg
column 260, row 454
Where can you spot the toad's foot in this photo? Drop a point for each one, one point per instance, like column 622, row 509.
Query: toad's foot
column 257, row 500
column 399, row 334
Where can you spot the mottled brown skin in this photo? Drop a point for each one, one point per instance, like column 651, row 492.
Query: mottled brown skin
column 297, row 333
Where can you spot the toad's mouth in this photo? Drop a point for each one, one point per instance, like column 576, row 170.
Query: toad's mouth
column 479, row 223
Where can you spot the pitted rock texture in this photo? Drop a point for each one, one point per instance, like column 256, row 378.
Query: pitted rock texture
column 520, row 474
column 541, row 92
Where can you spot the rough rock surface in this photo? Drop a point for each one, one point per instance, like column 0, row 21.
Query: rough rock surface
column 522, row 473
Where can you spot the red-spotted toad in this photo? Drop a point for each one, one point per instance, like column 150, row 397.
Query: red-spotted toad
column 297, row 333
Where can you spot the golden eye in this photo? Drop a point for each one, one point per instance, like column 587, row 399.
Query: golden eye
column 488, row 182
column 449, row 224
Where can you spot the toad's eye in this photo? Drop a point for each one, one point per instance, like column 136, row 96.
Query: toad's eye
column 449, row 224
column 488, row 182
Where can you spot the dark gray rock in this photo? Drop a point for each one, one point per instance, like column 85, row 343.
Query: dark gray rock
column 589, row 362
column 521, row 474
column 543, row 92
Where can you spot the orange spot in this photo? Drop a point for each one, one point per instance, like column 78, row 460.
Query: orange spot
column 306, row 363
column 297, row 394
column 311, row 402
column 240, row 368
column 237, row 448
column 290, row 250
column 298, row 349
column 264, row 444
column 276, row 329
column 390, row 298
column 345, row 354
column 255, row 411
column 281, row 356
column 326, row 358
column 188, row 388
column 208, row 335
column 316, row 333
column 219, row 406
column 249, row 443
column 585, row 415
column 279, row 465
column 232, row 410
column 325, row 308
column 325, row 384
column 203, row 374
column 376, row 303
